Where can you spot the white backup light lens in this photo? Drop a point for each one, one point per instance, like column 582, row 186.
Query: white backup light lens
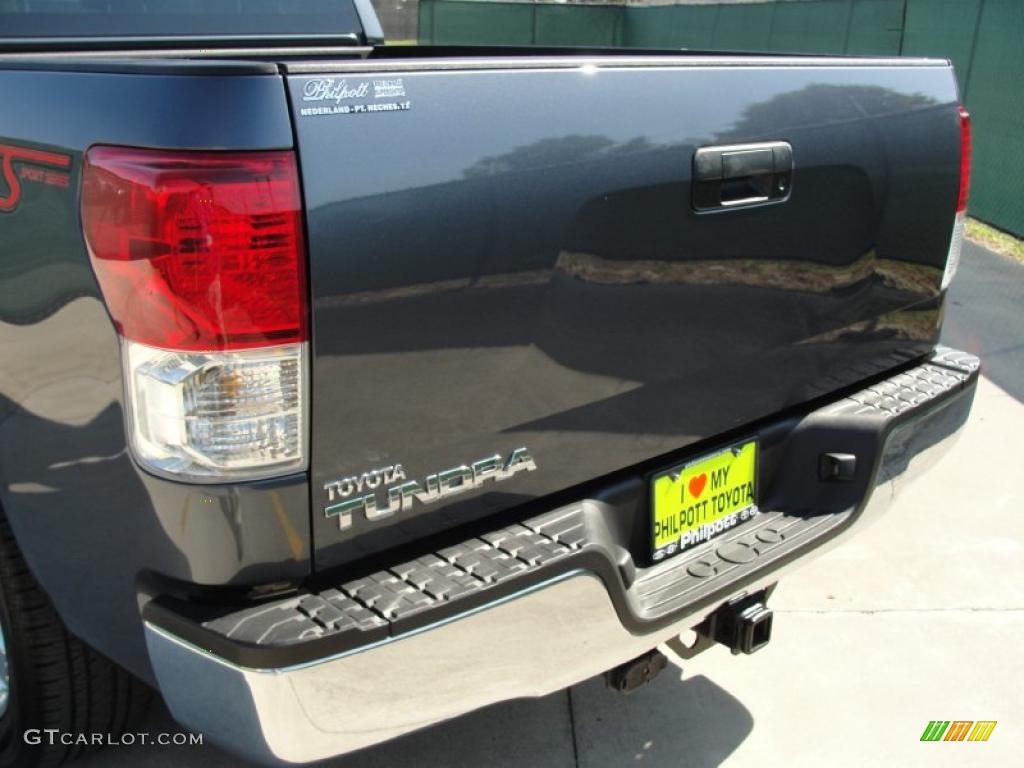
column 218, row 416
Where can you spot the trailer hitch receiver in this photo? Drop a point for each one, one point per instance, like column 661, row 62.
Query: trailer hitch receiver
column 744, row 625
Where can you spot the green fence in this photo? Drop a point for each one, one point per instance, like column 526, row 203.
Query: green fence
column 984, row 38
column 821, row 26
column 455, row 22
column 826, row 26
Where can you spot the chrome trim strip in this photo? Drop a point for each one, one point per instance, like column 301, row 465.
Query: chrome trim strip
column 211, row 55
column 576, row 61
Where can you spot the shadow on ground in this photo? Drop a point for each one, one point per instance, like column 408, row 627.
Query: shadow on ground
column 670, row 722
column 657, row 725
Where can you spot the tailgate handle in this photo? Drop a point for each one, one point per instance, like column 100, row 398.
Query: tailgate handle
column 740, row 175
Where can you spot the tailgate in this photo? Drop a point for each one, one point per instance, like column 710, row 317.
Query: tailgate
column 513, row 291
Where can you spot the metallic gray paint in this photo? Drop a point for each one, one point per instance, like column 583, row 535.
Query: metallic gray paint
column 478, row 275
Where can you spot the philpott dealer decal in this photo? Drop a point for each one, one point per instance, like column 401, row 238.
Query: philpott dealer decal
column 345, row 96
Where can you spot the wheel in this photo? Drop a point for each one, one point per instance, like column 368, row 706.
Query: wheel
column 49, row 679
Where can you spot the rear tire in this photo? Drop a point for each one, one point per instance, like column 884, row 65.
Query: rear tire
column 55, row 680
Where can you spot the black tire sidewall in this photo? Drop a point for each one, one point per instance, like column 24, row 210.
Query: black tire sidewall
column 22, row 710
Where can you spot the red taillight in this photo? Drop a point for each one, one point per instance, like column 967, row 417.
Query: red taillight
column 197, row 250
column 965, row 160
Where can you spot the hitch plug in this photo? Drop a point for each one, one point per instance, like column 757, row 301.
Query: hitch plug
column 627, row 677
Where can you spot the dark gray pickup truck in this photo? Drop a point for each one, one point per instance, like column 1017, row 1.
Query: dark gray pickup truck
column 345, row 389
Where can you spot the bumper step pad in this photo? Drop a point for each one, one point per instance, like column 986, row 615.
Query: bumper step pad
column 373, row 601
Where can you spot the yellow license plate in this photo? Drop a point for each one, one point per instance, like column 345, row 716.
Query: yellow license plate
column 702, row 499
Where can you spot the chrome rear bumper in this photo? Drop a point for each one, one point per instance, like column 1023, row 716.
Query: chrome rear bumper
column 577, row 615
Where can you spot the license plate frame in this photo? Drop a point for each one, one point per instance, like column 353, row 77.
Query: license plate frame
column 677, row 525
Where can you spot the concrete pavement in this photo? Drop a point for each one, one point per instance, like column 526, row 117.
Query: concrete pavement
column 985, row 315
column 919, row 618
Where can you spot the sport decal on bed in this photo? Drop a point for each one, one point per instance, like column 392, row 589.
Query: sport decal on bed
column 18, row 164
